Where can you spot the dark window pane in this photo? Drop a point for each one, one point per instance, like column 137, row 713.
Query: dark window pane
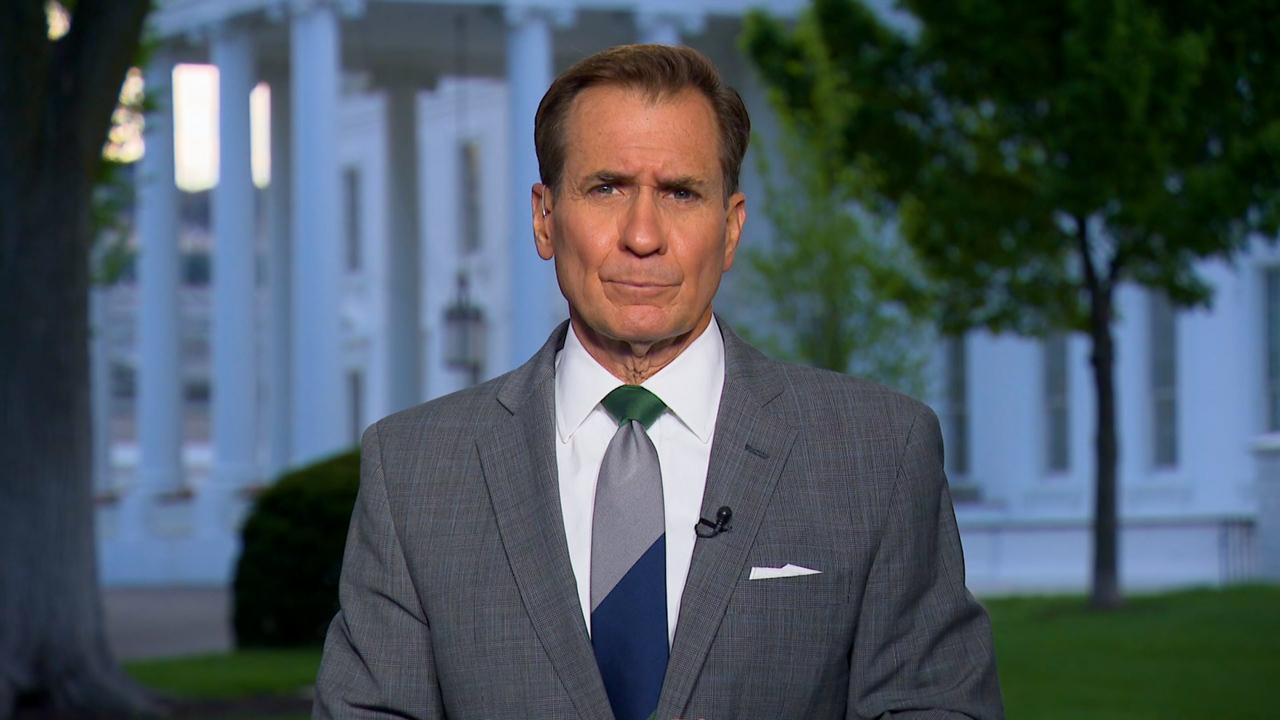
column 1164, row 380
column 957, row 408
column 196, row 268
column 1273, row 348
column 469, row 195
column 123, row 381
column 1056, row 402
column 351, row 201
column 1166, row 432
column 355, row 388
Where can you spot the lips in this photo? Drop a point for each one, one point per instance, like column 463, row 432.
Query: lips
column 640, row 284
column 643, row 290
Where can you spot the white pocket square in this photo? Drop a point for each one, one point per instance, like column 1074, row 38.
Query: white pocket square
column 788, row 570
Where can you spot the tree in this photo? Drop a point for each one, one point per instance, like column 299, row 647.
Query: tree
column 56, row 102
column 1038, row 155
column 822, row 280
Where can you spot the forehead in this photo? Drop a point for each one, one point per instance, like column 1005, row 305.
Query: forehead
column 626, row 130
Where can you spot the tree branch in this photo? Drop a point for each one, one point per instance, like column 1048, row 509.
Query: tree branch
column 1117, row 264
column 1091, row 279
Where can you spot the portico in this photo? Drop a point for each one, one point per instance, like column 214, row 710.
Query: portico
column 330, row 286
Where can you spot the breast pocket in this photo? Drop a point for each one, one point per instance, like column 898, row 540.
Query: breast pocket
column 823, row 589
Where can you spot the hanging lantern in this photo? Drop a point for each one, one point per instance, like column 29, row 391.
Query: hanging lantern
column 464, row 333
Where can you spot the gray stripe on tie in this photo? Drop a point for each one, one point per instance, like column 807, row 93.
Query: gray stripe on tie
column 628, row 515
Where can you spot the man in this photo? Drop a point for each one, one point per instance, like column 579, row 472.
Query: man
column 527, row 548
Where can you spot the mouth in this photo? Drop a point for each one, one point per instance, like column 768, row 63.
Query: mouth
column 638, row 288
column 639, row 284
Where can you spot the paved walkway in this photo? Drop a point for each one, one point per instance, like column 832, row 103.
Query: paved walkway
column 167, row 621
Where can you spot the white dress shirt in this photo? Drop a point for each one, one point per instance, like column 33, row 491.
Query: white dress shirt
column 690, row 386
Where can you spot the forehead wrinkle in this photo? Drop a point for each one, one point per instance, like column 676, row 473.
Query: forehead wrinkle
column 574, row 126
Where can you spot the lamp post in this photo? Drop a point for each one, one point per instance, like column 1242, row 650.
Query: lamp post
column 464, row 333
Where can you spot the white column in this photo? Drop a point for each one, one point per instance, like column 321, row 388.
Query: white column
column 278, row 283
column 664, row 26
column 658, row 29
column 234, row 381
column 403, row 362
column 319, row 403
column 159, row 377
column 536, row 302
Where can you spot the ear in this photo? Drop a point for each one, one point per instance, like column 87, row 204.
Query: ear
column 735, row 218
column 541, row 205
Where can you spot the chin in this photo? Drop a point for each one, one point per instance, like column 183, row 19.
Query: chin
column 646, row 327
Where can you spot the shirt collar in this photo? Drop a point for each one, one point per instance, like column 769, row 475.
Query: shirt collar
column 690, row 385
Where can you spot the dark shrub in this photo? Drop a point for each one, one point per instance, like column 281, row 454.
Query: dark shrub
column 286, row 586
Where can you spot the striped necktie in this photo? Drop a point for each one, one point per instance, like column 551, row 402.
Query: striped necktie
column 629, row 560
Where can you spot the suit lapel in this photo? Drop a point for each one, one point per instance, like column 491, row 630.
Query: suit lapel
column 748, row 452
column 519, row 466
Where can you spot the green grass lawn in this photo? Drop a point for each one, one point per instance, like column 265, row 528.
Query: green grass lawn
column 244, row 673
column 1197, row 654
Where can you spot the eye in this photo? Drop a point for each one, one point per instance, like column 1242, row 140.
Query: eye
column 684, row 195
column 605, row 190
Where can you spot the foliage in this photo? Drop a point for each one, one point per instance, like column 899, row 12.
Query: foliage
column 823, row 279
column 286, row 584
column 114, row 187
column 1190, row 654
column 112, row 197
column 1037, row 155
column 1008, row 135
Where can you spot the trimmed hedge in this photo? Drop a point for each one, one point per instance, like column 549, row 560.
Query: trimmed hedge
column 286, row 585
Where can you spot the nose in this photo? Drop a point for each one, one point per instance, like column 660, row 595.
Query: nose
column 641, row 231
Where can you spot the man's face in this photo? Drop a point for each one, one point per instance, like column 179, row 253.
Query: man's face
column 639, row 228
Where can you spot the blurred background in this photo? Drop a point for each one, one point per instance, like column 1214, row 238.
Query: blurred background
column 1055, row 224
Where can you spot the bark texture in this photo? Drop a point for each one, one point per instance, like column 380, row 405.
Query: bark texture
column 1106, row 530
column 56, row 100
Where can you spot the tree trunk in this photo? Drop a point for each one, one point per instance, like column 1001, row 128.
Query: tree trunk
column 55, row 104
column 1106, row 570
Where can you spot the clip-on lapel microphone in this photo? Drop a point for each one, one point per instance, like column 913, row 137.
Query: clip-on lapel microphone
column 707, row 529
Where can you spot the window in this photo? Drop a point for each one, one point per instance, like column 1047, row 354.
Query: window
column 195, row 268
column 355, row 392
column 351, row 202
column 1057, row 417
column 957, row 414
column 469, row 196
column 196, row 391
column 124, row 381
column 1272, row 335
column 1164, row 380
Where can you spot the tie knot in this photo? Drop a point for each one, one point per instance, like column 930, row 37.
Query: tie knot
column 632, row 402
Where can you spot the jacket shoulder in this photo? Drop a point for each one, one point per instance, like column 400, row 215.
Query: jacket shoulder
column 436, row 423
column 826, row 397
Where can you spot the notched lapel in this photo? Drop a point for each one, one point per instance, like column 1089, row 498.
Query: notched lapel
column 748, row 452
column 518, row 461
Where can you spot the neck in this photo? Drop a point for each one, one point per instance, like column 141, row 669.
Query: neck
column 635, row 362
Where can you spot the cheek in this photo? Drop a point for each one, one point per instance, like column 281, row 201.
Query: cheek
column 576, row 271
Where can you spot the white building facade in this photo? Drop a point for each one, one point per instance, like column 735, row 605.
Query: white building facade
column 401, row 161
column 1198, row 422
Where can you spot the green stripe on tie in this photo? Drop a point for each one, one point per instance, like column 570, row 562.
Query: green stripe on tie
column 632, row 402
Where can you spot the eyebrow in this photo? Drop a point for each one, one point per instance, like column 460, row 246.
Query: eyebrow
column 682, row 182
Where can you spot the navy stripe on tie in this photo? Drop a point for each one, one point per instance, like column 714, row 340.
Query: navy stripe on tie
column 629, row 634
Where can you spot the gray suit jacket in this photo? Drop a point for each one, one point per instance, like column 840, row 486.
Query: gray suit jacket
column 458, row 599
